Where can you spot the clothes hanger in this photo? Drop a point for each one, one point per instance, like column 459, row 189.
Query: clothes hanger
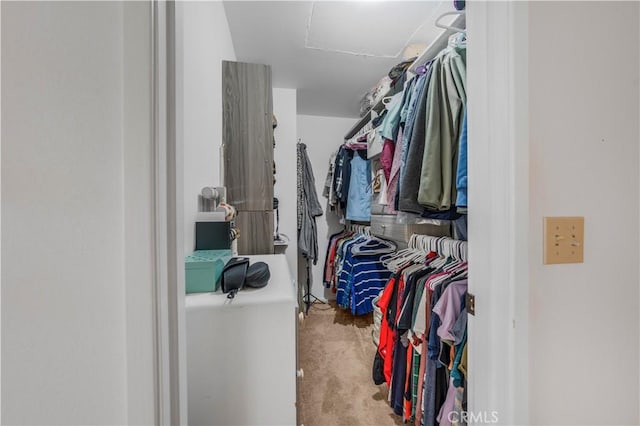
column 448, row 27
column 357, row 248
column 421, row 69
column 396, row 261
column 459, row 40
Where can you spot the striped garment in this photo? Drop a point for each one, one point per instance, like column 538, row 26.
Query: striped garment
column 362, row 278
column 345, row 266
column 415, row 378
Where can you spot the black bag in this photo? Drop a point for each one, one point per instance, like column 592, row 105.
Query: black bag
column 237, row 273
column 233, row 275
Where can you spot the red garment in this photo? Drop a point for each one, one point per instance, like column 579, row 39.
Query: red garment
column 331, row 255
column 387, row 334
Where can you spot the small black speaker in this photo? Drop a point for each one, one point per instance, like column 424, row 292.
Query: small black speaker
column 213, row 235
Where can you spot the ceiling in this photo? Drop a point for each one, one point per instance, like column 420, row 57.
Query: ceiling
column 332, row 52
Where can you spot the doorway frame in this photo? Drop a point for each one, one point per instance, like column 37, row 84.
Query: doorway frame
column 498, row 169
column 168, row 297
column 498, row 228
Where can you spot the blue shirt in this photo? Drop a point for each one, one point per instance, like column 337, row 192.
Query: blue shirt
column 359, row 199
column 368, row 279
column 461, row 178
column 389, row 127
column 362, row 277
column 343, row 286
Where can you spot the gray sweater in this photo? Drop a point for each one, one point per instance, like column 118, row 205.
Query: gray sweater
column 308, row 207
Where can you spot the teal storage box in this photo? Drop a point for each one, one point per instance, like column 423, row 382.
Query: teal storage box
column 203, row 269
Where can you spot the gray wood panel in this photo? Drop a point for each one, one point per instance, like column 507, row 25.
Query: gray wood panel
column 256, row 232
column 248, row 135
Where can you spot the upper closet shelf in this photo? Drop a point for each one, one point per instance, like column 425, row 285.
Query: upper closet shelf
column 429, row 53
column 364, row 120
column 439, row 43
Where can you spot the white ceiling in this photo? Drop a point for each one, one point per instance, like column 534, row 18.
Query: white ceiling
column 333, row 52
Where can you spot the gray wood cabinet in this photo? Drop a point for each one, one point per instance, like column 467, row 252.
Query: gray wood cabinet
column 247, row 135
column 256, row 232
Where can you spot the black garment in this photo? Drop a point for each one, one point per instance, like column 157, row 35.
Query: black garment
column 442, row 385
column 405, row 321
column 391, row 310
column 399, row 372
column 378, row 369
column 451, row 214
column 342, row 175
column 460, row 228
column 379, row 119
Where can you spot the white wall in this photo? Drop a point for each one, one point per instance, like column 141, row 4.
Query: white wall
column 70, row 186
column 205, row 43
column 323, row 136
column 584, row 109
column 284, row 154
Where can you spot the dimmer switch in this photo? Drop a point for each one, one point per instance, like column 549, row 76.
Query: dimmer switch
column 563, row 240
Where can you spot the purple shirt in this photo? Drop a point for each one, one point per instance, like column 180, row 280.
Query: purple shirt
column 448, row 308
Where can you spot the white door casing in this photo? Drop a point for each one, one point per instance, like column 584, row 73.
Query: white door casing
column 499, row 216
column 498, row 221
column 171, row 376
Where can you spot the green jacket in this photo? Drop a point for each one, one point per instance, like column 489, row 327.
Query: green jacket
column 446, row 98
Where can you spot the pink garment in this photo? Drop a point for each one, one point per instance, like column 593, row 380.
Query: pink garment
column 386, row 157
column 392, row 182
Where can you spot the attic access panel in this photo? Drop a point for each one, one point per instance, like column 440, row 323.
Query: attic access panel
column 380, row 29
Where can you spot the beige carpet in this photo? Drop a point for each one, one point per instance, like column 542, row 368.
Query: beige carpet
column 336, row 351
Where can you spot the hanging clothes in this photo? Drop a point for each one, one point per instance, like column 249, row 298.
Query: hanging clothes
column 394, row 175
column 365, row 274
column 308, row 207
column 445, row 102
column 391, row 122
column 422, row 343
column 328, row 190
column 330, row 258
column 461, row 178
column 410, row 180
column 354, row 270
column 342, row 175
column 359, row 196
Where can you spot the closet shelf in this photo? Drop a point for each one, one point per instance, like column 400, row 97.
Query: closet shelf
column 429, row 53
column 438, row 44
column 365, row 119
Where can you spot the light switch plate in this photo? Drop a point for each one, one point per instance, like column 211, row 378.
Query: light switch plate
column 563, row 240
